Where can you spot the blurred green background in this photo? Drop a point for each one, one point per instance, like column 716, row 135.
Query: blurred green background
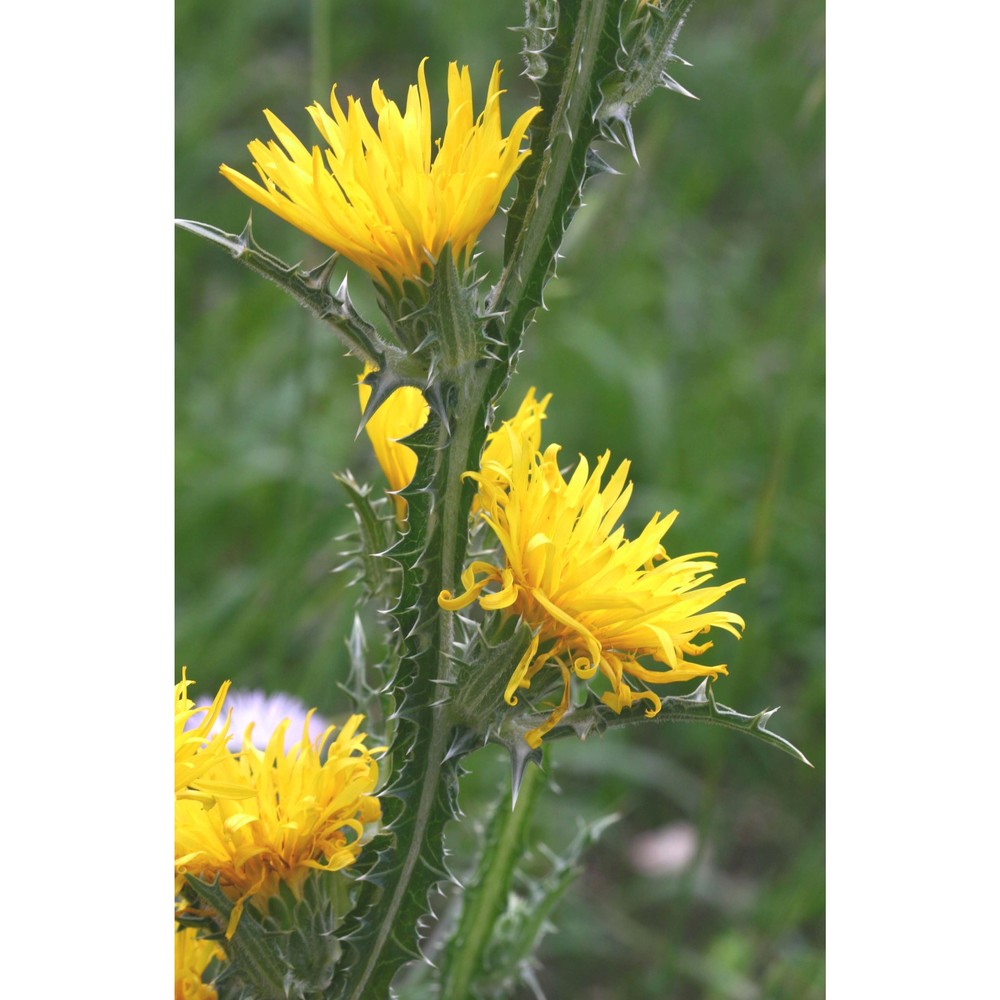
column 684, row 331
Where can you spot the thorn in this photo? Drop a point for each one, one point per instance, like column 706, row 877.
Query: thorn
column 520, row 756
column 701, row 694
column 627, row 128
column 671, row 84
column 765, row 716
column 319, row 277
column 246, row 237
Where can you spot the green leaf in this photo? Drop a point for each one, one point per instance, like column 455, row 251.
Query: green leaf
column 457, row 325
column 486, row 656
column 376, row 572
column 309, row 288
column 592, row 61
column 367, row 684
column 382, row 932
column 519, row 930
column 291, row 951
column 648, row 41
column 698, row 705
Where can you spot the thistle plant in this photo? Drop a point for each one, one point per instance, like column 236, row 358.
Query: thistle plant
column 517, row 611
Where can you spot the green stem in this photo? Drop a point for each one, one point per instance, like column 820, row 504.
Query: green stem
column 309, row 288
column 320, row 20
column 421, row 797
column 484, row 900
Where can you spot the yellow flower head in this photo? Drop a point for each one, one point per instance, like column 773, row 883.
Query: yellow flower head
column 303, row 813
column 403, row 413
column 595, row 600
column 191, row 957
column 382, row 196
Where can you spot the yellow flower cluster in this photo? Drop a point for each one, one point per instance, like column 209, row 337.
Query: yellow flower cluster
column 274, row 816
column 498, row 458
column 381, row 196
column 596, row 601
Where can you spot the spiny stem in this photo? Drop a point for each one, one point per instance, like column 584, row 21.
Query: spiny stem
column 559, row 172
column 430, row 759
column 426, row 734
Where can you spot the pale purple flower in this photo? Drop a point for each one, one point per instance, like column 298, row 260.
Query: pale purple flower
column 266, row 712
column 666, row 851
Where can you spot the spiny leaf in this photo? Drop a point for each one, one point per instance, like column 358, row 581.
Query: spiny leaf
column 570, row 49
column 457, row 324
column 368, row 685
column 487, row 656
column 698, row 705
column 376, row 533
column 382, row 932
column 648, row 41
column 309, row 288
column 252, row 957
column 517, row 933
column 592, row 61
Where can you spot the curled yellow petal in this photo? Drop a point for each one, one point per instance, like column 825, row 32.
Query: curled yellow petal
column 595, row 600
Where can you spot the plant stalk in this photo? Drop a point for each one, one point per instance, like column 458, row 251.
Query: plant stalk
column 424, row 781
column 484, row 901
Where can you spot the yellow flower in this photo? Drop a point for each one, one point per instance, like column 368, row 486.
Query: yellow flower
column 191, row 957
column 595, row 600
column 383, row 198
column 403, row 413
column 196, row 749
column 303, row 813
